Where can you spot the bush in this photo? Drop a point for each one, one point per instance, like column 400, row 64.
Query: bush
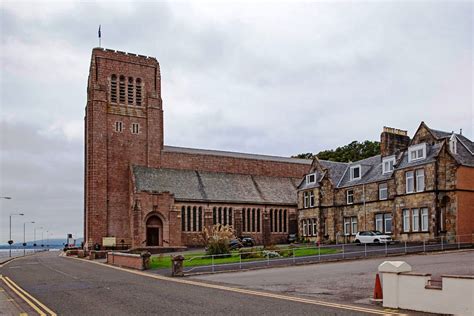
column 249, row 253
column 217, row 239
column 271, row 254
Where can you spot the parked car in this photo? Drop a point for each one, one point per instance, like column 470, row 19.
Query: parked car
column 372, row 237
column 235, row 244
column 292, row 238
column 247, row 241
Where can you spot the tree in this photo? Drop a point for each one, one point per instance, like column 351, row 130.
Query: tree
column 350, row 152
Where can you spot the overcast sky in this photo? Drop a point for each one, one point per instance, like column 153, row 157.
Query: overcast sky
column 275, row 78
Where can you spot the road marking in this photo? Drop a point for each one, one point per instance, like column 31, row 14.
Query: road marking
column 22, row 293
column 39, row 311
column 249, row 292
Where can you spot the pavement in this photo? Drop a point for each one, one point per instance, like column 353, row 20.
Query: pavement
column 70, row 286
column 345, row 281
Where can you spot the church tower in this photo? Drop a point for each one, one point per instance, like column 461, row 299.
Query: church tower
column 123, row 127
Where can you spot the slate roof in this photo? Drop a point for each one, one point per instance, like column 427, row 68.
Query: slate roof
column 191, row 185
column 195, row 151
column 371, row 168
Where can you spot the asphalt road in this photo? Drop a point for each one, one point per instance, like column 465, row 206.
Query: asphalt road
column 344, row 281
column 74, row 287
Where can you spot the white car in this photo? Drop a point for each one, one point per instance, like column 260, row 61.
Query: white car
column 372, row 237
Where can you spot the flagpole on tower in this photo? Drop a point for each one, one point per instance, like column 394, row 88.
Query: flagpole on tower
column 100, row 37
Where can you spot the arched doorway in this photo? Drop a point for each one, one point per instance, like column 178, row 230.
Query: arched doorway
column 154, row 229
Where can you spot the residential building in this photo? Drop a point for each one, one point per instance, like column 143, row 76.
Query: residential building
column 419, row 188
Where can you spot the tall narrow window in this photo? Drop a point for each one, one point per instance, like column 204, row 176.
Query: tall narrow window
column 135, row 128
column 194, row 219
column 310, row 227
column 249, row 218
column 388, row 223
column 311, row 199
column 354, row 225
column 383, row 191
column 138, row 92
column 410, row 182
column 113, row 89
column 271, row 219
column 347, row 226
column 200, row 219
column 230, row 216
column 420, row 180
column 350, row 196
column 225, row 216
column 214, row 216
column 130, row 91
column 280, row 220
column 122, row 90
column 315, row 227
column 275, row 220
column 219, row 215
column 424, row 219
column 244, row 227
column 188, row 219
column 406, row 220
column 118, row 127
column 415, row 215
column 183, row 218
column 258, row 220
column 253, row 220
column 379, row 222
column 285, row 214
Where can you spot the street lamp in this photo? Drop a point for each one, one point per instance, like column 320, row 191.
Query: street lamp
column 10, row 242
column 24, row 236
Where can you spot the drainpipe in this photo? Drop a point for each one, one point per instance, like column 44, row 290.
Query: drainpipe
column 365, row 211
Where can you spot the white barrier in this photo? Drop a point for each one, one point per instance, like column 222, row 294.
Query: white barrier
column 414, row 291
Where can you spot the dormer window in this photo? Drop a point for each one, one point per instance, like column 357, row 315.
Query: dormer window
column 388, row 164
column 311, row 178
column 417, row 152
column 453, row 145
column 355, row 172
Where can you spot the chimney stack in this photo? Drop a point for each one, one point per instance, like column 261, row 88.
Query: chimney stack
column 393, row 140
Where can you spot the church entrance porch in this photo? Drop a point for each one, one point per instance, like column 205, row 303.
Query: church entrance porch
column 154, row 232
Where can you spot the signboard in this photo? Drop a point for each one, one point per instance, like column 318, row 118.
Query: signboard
column 109, row 241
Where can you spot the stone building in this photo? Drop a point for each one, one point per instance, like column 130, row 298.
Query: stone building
column 141, row 193
column 420, row 188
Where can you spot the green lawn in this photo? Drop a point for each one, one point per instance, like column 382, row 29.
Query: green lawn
column 193, row 259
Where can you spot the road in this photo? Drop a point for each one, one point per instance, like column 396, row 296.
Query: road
column 348, row 281
column 76, row 287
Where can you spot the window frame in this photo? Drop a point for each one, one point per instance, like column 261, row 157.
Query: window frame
column 391, row 164
column 135, row 128
column 415, row 149
column 417, row 177
column 308, row 177
column 415, row 220
column 352, row 168
column 381, row 189
column 386, row 217
column 412, row 177
column 406, row 220
column 350, row 195
column 424, row 213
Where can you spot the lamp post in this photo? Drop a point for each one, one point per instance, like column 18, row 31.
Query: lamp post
column 24, row 236
column 10, row 242
column 34, row 245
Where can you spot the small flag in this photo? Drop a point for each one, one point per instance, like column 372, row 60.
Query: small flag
column 99, row 32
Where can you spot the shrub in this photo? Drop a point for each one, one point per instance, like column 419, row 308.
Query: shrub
column 271, row 254
column 217, row 239
column 248, row 253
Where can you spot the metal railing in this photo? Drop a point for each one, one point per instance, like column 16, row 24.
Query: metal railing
column 279, row 256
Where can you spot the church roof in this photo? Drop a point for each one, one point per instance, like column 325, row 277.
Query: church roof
column 201, row 186
column 194, row 151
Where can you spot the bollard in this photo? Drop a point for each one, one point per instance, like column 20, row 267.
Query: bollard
column 177, row 266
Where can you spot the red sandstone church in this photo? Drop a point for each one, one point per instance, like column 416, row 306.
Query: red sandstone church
column 142, row 193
